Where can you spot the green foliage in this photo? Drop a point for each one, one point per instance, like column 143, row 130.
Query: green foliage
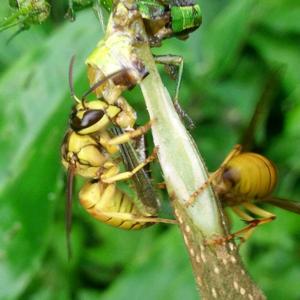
column 241, row 45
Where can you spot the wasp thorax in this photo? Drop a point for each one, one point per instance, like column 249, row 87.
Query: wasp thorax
column 83, row 152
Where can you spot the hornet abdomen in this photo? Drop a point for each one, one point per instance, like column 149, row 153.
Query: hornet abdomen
column 249, row 176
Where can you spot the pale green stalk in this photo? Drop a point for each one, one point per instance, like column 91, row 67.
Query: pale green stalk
column 182, row 166
column 218, row 270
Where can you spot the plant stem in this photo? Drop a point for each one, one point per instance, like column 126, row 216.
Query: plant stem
column 218, row 270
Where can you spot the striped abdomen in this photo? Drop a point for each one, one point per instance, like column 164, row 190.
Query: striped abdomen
column 248, row 176
column 106, row 203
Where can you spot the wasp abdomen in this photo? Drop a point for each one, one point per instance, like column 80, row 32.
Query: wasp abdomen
column 110, row 205
column 250, row 176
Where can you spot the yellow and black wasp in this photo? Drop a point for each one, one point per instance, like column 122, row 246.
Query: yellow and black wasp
column 91, row 150
column 244, row 179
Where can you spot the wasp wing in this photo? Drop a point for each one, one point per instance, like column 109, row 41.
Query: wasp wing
column 132, row 157
column 293, row 206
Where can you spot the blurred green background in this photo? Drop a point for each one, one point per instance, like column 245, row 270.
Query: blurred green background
column 241, row 47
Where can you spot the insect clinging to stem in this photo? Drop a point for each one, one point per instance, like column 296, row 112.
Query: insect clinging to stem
column 91, row 151
column 246, row 178
column 243, row 179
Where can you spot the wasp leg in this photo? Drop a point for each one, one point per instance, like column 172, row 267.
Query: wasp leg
column 247, row 231
column 235, row 151
column 112, row 175
column 266, row 216
column 127, row 136
column 174, row 68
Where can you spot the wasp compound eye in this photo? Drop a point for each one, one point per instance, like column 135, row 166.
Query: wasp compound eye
column 88, row 119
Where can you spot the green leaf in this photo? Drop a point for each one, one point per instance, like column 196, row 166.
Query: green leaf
column 35, row 101
column 225, row 36
column 19, row 46
column 280, row 54
column 170, row 277
column 281, row 16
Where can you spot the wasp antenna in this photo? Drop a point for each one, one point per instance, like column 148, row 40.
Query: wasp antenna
column 101, row 81
column 69, row 204
column 71, row 82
